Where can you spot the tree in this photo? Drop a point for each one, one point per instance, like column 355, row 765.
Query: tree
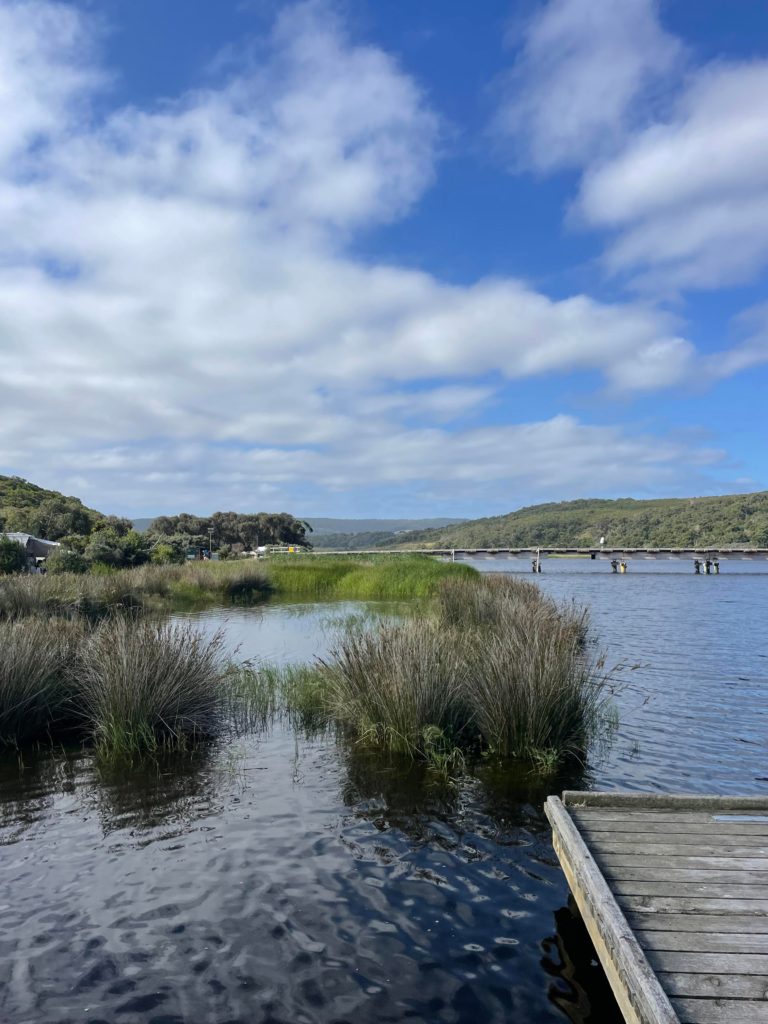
column 168, row 552
column 108, row 547
column 13, row 557
column 65, row 560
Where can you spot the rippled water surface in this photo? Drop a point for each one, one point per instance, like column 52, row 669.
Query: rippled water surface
column 283, row 879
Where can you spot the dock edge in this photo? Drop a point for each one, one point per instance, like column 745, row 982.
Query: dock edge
column 635, row 986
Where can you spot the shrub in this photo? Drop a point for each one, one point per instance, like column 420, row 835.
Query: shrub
column 13, row 557
column 65, row 560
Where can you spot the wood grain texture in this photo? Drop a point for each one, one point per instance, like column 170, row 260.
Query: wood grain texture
column 689, row 877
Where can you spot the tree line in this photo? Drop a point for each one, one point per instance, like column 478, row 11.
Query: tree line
column 89, row 539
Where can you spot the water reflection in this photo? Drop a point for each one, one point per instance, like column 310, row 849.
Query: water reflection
column 284, row 878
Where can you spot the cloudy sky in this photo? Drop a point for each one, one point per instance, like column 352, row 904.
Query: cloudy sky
column 364, row 258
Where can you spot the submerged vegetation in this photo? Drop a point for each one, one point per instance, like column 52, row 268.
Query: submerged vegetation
column 490, row 667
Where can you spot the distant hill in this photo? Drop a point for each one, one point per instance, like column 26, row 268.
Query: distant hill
column 324, row 527
column 27, row 508
column 730, row 519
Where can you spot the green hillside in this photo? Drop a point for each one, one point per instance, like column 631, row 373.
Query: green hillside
column 27, row 508
column 732, row 519
column 341, row 530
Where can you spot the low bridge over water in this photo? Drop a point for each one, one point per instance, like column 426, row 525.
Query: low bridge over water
column 624, row 553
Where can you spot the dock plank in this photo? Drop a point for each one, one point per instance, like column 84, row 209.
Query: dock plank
column 677, row 838
column 699, row 922
column 675, row 849
column 702, row 942
column 716, row 1011
column 722, row 890
column 692, row 905
column 688, row 876
column 654, row 873
column 678, row 824
column 715, row 986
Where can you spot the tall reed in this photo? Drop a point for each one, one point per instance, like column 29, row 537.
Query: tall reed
column 142, row 685
column 35, row 663
column 500, row 668
column 393, row 683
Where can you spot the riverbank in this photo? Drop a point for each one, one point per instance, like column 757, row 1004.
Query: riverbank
column 197, row 584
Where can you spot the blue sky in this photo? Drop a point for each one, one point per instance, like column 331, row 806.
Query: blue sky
column 353, row 258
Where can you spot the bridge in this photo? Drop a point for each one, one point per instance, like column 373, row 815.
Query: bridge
column 605, row 552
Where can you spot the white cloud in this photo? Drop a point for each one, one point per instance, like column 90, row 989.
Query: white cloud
column 750, row 352
column 674, row 159
column 180, row 315
column 689, row 196
column 579, row 75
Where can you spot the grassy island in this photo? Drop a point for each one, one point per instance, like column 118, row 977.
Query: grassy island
column 488, row 666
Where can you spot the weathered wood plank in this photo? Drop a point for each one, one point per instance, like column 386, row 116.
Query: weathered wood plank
column 667, row 874
column 724, row 986
column 721, row 1011
column 621, row 860
column 689, row 874
column 699, row 922
column 703, row 942
column 671, row 801
column 602, row 815
column 691, row 905
column 711, row 890
column 678, row 832
column 667, row 961
column 638, row 993
column 673, row 849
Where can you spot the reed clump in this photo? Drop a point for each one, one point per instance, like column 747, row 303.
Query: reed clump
column 36, row 659
column 141, row 685
column 500, row 669
column 149, row 587
column 125, row 683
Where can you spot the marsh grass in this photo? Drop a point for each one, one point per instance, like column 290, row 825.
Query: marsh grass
column 362, row 578
column 297, row 692
column 35, row 665
column 144, row 686
column 500, row 670
column 489, row 666
column 196, row 584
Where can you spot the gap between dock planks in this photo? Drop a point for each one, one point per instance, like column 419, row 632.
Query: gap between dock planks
column 673, row 890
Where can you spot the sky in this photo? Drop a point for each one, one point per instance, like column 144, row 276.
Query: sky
column 353, row 258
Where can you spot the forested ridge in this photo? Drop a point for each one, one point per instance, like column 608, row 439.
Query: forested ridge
column 90, row 539
column 731, row 519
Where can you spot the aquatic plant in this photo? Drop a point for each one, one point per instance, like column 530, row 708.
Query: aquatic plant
column 35, row 660
column 362, row 578
column 392, row 683
column 511, row 678
column 154, row 587
column 143, row 685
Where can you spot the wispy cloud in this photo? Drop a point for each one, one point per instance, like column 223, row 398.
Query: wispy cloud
column 674, row 156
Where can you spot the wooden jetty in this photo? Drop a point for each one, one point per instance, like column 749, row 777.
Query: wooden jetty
column 674, row 893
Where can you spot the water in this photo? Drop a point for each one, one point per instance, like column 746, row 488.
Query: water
column 284, row 879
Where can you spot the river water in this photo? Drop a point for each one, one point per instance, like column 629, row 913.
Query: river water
column 281, row 878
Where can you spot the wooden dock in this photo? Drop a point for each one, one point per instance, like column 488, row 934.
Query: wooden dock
column 674, row 893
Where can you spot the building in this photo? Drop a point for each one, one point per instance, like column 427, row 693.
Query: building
column 37, row 550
